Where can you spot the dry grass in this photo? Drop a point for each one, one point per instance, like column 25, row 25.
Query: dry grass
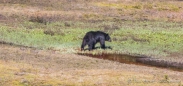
column 134, row 10
column 33, row 13
column 42, row 12
column 27, row 66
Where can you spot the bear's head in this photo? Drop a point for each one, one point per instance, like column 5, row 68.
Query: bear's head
column 107, row 38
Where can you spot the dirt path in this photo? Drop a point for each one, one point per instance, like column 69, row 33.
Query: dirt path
column 28, row 66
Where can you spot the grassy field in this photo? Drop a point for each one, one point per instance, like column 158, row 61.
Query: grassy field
column 156, row 39
column 150, row 28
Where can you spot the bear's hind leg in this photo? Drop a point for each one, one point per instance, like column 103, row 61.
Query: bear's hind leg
column 90, row 45
column 93, row 46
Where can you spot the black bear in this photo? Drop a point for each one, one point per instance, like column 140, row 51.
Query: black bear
column 93, row 37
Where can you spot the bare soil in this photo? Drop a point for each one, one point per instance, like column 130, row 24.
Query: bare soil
column 43, row 66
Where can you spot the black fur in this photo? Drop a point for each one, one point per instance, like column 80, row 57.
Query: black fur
column 93, row 37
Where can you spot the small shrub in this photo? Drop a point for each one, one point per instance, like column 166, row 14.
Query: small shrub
column 137, row 6
column 49, row 32
column 2, row 17
column 67, row 24
column 109, row 28
column 166, row 77
column 44, row 18
column 165, row 80
column 91, row 16
column 38, row 19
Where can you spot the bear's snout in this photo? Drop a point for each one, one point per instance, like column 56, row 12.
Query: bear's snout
column 110, row 40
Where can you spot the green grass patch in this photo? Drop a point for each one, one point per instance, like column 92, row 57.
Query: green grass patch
column 37, row 37
column 134, row 37
column 148, row 42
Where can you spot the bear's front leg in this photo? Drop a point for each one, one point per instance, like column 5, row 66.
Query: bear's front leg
column 102, row 44
column 83, row 45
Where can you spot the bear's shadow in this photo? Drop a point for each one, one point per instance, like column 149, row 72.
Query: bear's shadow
column 107, row 47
